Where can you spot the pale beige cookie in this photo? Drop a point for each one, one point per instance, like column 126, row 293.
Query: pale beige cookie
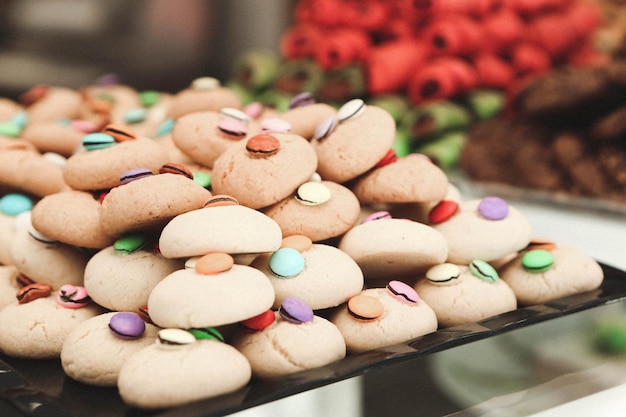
column 320, row 210
column 188, row 299
column 29, row 171
column 305, row 119
column 100, row 169
column 360, row 139
column 377, row 317
column 234, row 229
column 421, row 212
column 121, row 278
column 285, row 347
column 182, row 374
column 539, row 276
column 72, row 217
column 149, row 202
column 53, row 136
column 410, row 179
column 320, row 275
column 387, row 248
column 203, row 94
column 9, row 108
column 8, row 285
column 45, row 261
column 93, row 354
column 45, row 103
column 6, row 231
column 37, row 329
column 264, row 169
column 461, row 294
column 500, row 230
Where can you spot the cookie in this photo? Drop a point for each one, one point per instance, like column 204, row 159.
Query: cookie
column 476, row 288
column 204, row 94
column 29, row 171
column 8, row 285
column 46, row 103
column 264, row 169
column 58, row 136
column 305, row 117
column 93, row 353
column 380, row 317
column 15, row 210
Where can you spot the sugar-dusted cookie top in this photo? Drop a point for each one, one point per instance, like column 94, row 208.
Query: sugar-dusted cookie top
column 264, row 169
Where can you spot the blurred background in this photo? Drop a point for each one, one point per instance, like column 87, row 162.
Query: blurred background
column 156, row 44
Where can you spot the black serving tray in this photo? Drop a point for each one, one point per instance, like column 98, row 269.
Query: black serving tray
column 35, row 388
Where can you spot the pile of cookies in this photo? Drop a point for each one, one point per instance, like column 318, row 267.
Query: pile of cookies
column 198, row 243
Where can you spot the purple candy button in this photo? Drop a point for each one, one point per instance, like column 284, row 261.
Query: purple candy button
column 127, row 325
column 134, row 174
column 294, row 310
column 493, row 208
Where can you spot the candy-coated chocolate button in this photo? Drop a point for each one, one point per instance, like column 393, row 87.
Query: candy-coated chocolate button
column 214, row 263
column 119, row 133
column 365, row 308
column 350, row 110
column 135, row 174
column 205, row 83
column 482, row 270
column 297, row 242
column 262, row 145
column 165, row 127
column 32, row 292
column 402, row 292
column 85, row 126
column 191, row 262
column 38, row 236
column 174, row 338
column 315, row 177
column 254, row 109
column 219, row 200
column 20, row 118
column 445, row 272
column 296, row 311
column 174, row 168
column 389, row 158
column 234, row 113
column 56, row 158
column 35, row 93
column 493, row 208
column 98, row 140
column 71, row 296
column 10, row 129
column 144, row 314
column 202, row 178
column 22, row 280
column 325, row 128
column 286, row 262
column 260, row 321
column 443, row 211
column 539, row 243
column 537, row 260
column 378, row 215
column 14, row 203
column 129, row 243
column 232, row 128
column 210, row 333
column 312, row 193
column 302, row 99
column 275, row 125
column 149, row 98
column 127, row 325
column 137, row 115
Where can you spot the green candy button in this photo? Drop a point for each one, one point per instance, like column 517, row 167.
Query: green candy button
column 537, row 260
column 10, row 129
column 482, row 270
column 210, row 333
column 202, row 179
column 149, row 98
column 129, row 243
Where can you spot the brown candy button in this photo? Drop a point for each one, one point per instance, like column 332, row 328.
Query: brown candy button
column 118, row 133
column 297, row 242
column 221, row 200
column 365, row 308
column 214, row 263
column 35, row 93
column 262, row 146
column 32, row 292
column 22, row 280
column 173, row 168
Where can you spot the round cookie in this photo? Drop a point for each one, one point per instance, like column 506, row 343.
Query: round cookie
column 100, row 169
column 210, row 294
column 15, row 210
column 539, row 275
column 71, row 217
column 182, row 373
column 9, row 108
column 380, row 317
column 120, row 277
column 461, row 294
column 354, row 141
column 264, row 169
column 59, row 136
column 93, row 354
column 46, row 261
column 290, row 345
column 486, row 229
column 232, row 228
column 422, row 212
column 410, row 179
column 386, row 247
column 167, row 195
column 8, row 285
column 320, row 275
column 304, row 119
column 318, row 209
column 204, row 94
column 45, row 103
column 29, row 171
column 37, row 329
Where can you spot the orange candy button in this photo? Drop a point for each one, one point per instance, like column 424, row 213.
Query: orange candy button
column 262, row 145
column 297, row 242
column 365, row 308
column 178, row 169
column 214, row 263
column 119, row 133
